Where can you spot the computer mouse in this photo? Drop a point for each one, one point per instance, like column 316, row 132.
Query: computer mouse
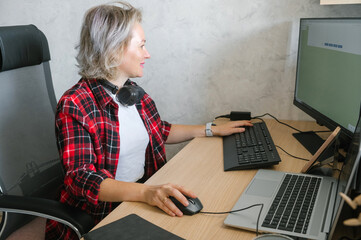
column 194, row 206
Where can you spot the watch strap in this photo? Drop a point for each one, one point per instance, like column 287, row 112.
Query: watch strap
column 208, row 130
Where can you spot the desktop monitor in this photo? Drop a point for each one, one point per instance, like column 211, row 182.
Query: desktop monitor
column 328, row 78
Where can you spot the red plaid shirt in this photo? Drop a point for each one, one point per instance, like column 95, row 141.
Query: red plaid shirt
column 87, row 130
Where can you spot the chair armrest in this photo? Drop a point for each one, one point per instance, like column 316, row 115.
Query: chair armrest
column 77, row 219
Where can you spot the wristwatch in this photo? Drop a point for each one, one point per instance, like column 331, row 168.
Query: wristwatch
column 209, row 132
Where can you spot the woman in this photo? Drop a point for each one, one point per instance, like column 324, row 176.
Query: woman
column 109, row 148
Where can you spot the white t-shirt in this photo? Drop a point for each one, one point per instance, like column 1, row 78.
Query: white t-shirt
column 134, row 140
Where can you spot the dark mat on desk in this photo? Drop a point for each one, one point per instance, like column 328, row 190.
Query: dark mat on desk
column 130, row 227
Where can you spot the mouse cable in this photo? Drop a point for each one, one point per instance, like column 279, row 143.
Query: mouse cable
column 304, row 159
column 260, row 117
column 239, row 210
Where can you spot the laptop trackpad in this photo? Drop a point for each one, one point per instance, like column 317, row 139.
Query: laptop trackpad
column 262, row 188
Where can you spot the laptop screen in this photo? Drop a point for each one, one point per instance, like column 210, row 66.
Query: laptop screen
column 348, row 171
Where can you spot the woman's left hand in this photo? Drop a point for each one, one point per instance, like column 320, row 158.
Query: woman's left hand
column 230, row 128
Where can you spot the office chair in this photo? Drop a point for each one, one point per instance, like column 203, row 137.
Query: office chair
column 30, row 170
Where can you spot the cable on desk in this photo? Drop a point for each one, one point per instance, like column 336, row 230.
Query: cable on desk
column 279, row 146
column 305, row 159
column 239, row 210
column 336, row 169
column 223, row 116
column 260, row 117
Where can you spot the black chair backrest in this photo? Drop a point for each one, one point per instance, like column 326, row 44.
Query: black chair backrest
column 29, row 160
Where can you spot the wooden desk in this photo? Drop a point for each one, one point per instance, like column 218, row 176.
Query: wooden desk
column 199, row 167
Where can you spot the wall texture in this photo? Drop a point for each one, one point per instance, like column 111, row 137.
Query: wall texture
column 208, row 57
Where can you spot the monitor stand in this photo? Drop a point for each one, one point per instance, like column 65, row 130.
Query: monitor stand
column 312, row 142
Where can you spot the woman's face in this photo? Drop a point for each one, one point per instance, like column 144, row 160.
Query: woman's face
column 134, row 56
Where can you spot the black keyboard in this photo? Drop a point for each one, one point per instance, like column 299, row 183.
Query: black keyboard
column 292, row 207
column 253, row 148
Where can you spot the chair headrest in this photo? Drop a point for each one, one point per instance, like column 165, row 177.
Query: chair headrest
column 22, row 46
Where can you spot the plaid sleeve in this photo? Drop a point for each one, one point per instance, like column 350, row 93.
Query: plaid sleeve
column 165, row 129
column 82, row 179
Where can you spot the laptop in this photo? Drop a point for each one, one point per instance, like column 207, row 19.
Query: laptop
column 311, row 222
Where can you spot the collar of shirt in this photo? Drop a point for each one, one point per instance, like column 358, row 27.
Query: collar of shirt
column 101, row 96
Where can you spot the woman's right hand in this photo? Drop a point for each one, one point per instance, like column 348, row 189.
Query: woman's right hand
column 159, row 196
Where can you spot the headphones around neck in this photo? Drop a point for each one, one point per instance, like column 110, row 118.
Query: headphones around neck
column 127, row 95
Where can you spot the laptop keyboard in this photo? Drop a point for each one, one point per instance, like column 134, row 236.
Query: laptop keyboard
column 292, row 207
column 253, row 148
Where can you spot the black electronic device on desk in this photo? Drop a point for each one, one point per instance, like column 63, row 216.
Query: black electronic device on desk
column 253, row 148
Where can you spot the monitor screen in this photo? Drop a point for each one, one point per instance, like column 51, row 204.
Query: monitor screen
column 328, row 78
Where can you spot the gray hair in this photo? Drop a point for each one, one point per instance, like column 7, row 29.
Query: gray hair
column 105, row 34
